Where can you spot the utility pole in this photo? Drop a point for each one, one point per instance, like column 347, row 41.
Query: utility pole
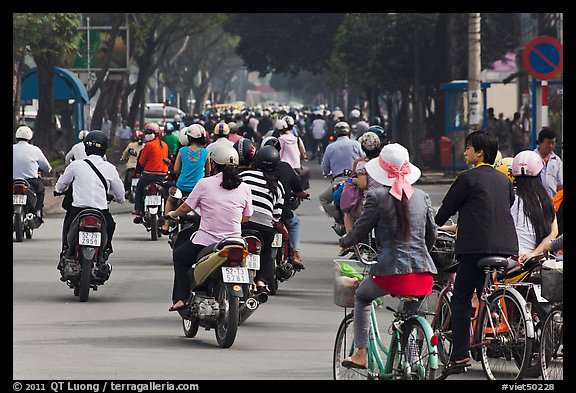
column 474, row 62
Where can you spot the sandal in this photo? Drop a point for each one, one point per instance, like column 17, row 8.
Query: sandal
column 456, row 367
column 181, row 307
column 348, row 363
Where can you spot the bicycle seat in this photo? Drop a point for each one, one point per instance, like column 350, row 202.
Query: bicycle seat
column 492, row 261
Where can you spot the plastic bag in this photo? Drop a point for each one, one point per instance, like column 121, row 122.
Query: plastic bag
column 346, row 281
column 552, row 279
column 351, row 197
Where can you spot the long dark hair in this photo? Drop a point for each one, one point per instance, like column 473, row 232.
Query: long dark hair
column 401, row 207
column 230, row 177
column 271, row 182
column 538, row 207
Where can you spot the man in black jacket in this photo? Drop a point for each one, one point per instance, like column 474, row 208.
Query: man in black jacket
column 482, row 197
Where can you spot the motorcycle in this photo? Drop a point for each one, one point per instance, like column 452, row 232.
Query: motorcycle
column 252, row 300
column 338, row 225
column 284, row 259
column 24, row 219
column 83, row 265
column 134, row 178
column 219, row 281
column 152, row 219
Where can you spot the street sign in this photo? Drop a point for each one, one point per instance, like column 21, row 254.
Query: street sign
column 543, row 57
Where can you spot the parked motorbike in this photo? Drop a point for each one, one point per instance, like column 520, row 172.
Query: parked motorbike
column 24, row 219
column 152, row 219
column 219, row 281
column 84, row 266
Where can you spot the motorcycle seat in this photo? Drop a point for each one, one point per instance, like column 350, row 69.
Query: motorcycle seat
column 230, row 241
column 205, row 251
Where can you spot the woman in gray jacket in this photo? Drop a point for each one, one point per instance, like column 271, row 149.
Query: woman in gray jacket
column 405, row 231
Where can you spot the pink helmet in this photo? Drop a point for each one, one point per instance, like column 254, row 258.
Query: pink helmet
column 527, row 163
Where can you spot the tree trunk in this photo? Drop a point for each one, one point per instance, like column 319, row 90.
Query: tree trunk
column 17, row 68
column 45, row 135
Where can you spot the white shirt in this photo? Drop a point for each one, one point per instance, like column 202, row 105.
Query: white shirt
column 88, row 190
column 524, row 229
column 319, row 128
column 552, row 175
column 218, row 142
column 26, row 160
column 77, row 152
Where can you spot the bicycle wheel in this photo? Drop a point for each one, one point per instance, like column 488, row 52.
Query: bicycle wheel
column 552, row 346
column 344, row 347
column 504, row 330
column 415, row 351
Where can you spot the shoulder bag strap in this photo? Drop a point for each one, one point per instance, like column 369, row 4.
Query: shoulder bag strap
column 98, row 173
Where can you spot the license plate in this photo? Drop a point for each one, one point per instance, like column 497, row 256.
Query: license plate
column 538, row 291
column 18, row 199
column 90, row 238
column 253, row 261
column 277, row 242
column 235, row 274
column 135, row 182
column 155, row 200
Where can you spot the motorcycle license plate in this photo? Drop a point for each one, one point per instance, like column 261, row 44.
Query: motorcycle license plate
column 18, row 199
column 253, row 261
column 90, row 238
column 135, row 182
column 154, row 200
column 277, row 242
column 235, row 274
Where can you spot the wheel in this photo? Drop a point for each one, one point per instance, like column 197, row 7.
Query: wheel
column 19, row 227
column 28, row 232
column 441, row 321
column 85, row 276
column 552, row 346
column 190, row 327
column 343, row 348
column 154, row 226
column 416, row 352
column 227, row 322
column 539, row 313
column 504, row 326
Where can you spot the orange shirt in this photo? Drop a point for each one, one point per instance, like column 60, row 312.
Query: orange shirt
column 557, row 200
column 152, row 155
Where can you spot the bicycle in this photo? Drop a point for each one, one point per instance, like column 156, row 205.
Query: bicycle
column 411, row 352
column 552, row 344
column 501, row 329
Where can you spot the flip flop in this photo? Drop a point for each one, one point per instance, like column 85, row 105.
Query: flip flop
column 348, row 363
column 456, row 367
column 183, row 306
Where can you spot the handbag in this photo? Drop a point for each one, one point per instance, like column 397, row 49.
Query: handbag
column 351, row 197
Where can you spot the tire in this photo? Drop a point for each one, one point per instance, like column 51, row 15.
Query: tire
column 508, row 354
column 415, row 352
column 227, row 322
column 344, row 347
column 552, row 346
column 85, row 277
column 154, row 227
column 441, row 322
column 28, row 232
column 190, row 327
column 541, row 310
column 19, row 227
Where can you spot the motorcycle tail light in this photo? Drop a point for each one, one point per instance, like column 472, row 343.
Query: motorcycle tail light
column 331, row 138
column 91, row 222
column 20, row 189
column 254, row 244
column 233, row 254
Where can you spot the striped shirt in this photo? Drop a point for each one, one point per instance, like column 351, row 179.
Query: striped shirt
column 267, row 207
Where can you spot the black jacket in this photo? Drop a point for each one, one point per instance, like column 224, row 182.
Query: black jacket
column 482, row 197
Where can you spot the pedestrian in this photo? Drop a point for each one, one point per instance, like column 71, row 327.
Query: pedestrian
column 106, row 127
column 552, row 173
column 124, row 134
column 482, row 197
column 519, row 136
column 404, row 222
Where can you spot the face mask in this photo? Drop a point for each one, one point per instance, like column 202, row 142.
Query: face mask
column 149, row 137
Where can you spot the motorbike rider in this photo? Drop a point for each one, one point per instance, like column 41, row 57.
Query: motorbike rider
column 338, row 157
column 267, row 202
column 170, row 138
column 221, row 133
column 87, row 188
column 225, row 202
column 27, row 159
column 152, row 161
column 131, row 157
column 77, row 151
column 191, row 164
column 292, row 186
column 292, row 149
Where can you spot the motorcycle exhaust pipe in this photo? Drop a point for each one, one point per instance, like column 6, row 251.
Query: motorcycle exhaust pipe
column 252, row 303
column 262, row 297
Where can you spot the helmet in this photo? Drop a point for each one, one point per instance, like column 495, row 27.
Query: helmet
column 233, row 127
column 246, row 150
column 342, row 128
column 195, row 131
column 505, row 166
column 221, row 129
column 497, row 159
column 24, row 132
column 289, row 121
column 225, row 155
column 138, row 135
column 82, row 134
column 281, row 125
column 369, row 141
column 271, row 141
column 96, row 142
column 378, row 130
column 183, row 137
column 168, row 127
column 267, row 159
column 354, row 113
column 151, row 127
column 527, row 163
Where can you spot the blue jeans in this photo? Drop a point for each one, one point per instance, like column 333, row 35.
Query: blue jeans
column 294, row 232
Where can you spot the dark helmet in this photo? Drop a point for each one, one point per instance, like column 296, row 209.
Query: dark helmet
column 378, row 130
column 342, row 128
column 267, row 159
column 271, row 141
column 96, row 142
column 246, row 150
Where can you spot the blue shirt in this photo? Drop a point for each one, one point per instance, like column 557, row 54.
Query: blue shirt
column 340, row 155
column 26, row 160
column 193, row 163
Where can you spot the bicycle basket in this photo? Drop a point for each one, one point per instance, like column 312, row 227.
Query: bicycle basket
column 552, row 277
column 443, row 252
column 346, row 280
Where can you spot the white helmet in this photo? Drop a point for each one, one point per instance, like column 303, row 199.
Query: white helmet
column 195, row 131
column 354, row 113
column 183, row 137
column 82, row 134
column 289, row 120
column 281, row 125
column 24, row 132
column 225, row 155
